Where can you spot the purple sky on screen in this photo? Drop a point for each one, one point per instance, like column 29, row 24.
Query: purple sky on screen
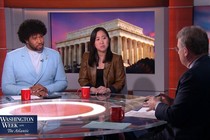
column 202, row 18
column 63, row 23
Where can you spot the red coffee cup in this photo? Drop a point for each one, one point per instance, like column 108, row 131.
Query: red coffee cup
column 85, row 92
column 25, row 94
column 117, row 113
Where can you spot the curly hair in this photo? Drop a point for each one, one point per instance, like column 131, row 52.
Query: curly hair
column 31, row 27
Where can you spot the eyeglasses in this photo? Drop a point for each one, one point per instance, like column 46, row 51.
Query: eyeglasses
column 176, row 49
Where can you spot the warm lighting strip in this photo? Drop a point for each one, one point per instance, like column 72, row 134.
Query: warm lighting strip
column 96, row 109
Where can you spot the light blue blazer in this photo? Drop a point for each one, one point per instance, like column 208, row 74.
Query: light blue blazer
column 19, row 72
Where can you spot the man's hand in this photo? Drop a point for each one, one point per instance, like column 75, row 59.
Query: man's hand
column 166, row 99
column 39, row 90
column 152, row 101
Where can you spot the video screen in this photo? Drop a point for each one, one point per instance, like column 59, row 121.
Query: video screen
column 132, row 36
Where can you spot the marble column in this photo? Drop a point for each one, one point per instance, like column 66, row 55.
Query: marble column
column 70, row 56
column 79, row 54
column 135, row 51
column 119, row 48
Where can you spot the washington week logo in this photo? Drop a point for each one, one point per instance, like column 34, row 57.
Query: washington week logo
column 18, row 124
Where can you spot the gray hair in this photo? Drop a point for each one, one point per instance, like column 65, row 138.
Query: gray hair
column 194, row 39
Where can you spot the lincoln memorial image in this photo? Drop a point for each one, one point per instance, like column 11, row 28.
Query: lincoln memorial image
column 126, row 39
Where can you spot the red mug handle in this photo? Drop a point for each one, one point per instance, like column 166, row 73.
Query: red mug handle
column 79, row 92
column 122, row 114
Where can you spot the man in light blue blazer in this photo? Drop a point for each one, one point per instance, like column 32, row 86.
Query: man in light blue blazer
column 33, row 66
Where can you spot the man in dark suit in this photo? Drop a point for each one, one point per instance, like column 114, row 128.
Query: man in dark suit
column 188, row 114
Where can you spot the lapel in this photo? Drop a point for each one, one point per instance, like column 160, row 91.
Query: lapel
column 177, row 88
column 106, row 72
column 45, row 60
column 27, row 62
column 93, row 73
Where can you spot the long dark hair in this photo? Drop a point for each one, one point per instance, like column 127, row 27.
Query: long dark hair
column 94, row 58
